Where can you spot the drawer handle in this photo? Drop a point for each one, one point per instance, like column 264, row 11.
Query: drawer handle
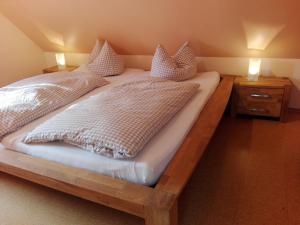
column 254, row 95
column 256, row 110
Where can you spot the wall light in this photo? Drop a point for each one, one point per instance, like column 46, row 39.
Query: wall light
column 259, row 35
column 254, row 69
column 60, row 60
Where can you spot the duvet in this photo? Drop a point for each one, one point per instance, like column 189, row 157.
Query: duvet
column 119, row 122
column 29, row 99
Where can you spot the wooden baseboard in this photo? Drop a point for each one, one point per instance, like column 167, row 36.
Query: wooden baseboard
column 294, row 110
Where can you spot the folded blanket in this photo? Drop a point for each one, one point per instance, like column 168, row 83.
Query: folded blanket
column 117, row 123
column 29, row 99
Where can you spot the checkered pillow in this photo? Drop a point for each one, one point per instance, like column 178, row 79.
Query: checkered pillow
column 95, row 52
column 107, row 63
column 181, row 66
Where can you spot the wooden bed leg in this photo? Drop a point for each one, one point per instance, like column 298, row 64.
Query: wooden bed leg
column 162, row 209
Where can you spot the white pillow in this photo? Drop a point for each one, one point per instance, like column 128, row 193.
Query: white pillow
column 95, row 52
column 107, row 63
column 181, row 66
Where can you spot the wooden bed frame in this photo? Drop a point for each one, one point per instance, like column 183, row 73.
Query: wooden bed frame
column 157, row 205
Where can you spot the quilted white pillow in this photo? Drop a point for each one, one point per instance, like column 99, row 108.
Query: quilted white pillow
column 107, row 63
column 181, row 66
column 95, row 52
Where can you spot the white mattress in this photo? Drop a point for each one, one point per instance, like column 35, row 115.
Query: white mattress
column 147, row 167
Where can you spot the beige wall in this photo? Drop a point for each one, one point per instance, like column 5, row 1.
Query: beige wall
column 216, row 28
column 19, row 56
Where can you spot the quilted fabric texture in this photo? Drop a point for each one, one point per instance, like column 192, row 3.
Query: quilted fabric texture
column 95, row 52
column 181, row 66
column 117, row 123
column 29, row 99
column 107, row 63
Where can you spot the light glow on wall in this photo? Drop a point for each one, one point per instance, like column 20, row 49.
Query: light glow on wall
column 260, row 36
column 52, row 36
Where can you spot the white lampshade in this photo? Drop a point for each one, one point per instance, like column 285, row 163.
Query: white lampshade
column 254, row 69
column 60, row 59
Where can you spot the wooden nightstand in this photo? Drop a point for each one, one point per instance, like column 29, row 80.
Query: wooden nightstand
column 57, row 69
column 269, row 96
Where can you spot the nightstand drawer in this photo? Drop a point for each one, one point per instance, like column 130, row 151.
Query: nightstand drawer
column 260, row 101
column 255, row 94
column 260, row 108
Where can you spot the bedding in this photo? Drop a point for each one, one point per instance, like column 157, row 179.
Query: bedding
column 119, row 122
column 181, row 66
column 107, row 63
column 29, row 99
column 150, row 163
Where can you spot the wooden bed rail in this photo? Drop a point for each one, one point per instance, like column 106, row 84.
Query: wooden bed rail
column 158, row 205
column 187, row 157
column 114, row 193
column 162, row 210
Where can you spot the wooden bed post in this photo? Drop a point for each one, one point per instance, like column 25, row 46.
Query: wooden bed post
column 162, row 209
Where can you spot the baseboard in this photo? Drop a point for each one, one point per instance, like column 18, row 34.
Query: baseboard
column 294, row 110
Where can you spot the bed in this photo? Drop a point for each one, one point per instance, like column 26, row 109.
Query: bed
column 147, row 186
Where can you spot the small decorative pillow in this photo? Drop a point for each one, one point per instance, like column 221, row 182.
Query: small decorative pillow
column 95, row 52
column 181, row 66
column 107, row 63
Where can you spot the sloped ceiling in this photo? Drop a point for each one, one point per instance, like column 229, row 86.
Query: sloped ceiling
column 214, row 27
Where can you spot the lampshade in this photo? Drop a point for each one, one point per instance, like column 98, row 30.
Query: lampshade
column 60, row 59
column 254, row 69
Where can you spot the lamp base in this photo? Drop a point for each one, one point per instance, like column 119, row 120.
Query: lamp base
column 252, row 77
column 61, row 67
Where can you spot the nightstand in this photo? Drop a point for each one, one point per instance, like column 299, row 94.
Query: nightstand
column 58, row 69
column 269, row 96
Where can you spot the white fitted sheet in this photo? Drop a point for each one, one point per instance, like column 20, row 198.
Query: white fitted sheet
column 150, row 163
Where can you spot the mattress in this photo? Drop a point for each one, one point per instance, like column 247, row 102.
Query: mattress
column 150, row 163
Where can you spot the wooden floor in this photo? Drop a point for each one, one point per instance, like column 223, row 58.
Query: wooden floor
column 249, row 175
